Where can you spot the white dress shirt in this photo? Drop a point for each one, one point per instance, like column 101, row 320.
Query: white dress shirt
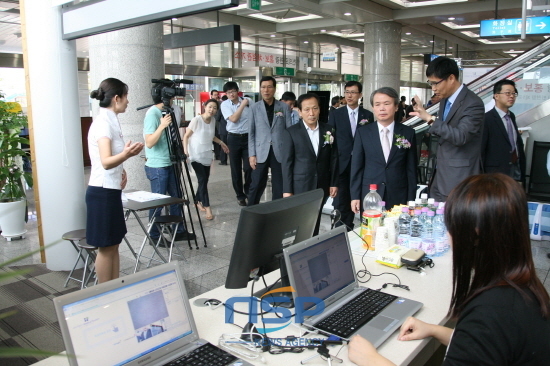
column 105, row 125
column 313, row 137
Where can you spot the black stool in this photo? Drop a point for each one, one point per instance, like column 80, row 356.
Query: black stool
column 164, row 224
column 75, row 237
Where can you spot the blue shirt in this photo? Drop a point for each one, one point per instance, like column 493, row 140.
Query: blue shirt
column 228, row 108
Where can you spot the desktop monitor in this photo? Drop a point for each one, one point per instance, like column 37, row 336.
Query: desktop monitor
column 265, row 229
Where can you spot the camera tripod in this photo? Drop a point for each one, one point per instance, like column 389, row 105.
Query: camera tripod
column 184, row 187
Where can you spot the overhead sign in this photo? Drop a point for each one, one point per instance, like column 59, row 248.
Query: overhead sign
column 254, row 4
column 94, row 17
column 328, row 56
column 351, row 77
column 284, row 71
column 512, row 27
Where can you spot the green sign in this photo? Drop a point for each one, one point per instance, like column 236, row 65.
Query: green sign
column 351, row 77
column 284, row 71
column 255, row 4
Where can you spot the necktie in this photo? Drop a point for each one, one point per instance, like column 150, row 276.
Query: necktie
column 353, row 123
column 385, row 143
column 512, row 137
column 447, row 109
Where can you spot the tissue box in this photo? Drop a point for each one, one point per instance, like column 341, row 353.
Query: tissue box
column 392, row 256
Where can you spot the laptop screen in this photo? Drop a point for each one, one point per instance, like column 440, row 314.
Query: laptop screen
column 123, row 324
column 322, row 269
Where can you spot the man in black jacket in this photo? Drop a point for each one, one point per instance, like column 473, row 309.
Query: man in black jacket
column 502, row 147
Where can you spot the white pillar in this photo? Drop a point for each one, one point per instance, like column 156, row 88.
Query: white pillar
column 52, row 89
column 135, row 56
column 382, row 58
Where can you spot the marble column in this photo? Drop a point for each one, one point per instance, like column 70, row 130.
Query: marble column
column 55, row 133
column 135, row 56
column 382, row 58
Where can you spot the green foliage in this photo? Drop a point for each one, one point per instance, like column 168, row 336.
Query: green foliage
column 11, row 172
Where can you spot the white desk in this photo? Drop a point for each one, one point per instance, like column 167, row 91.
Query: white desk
column 432, row 288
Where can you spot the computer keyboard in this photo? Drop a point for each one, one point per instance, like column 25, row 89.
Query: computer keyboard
column 353, row 315
column 205, row 355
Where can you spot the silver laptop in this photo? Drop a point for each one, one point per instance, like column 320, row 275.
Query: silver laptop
column 141, row 319
column 322, row 268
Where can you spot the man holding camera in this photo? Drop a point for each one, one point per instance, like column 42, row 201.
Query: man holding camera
column 158, row 166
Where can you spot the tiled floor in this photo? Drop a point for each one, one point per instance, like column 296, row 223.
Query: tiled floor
column 206, row 268
column 203, row 269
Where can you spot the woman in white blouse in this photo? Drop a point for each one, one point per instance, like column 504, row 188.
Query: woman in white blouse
column 105, row 226
column 197, row 144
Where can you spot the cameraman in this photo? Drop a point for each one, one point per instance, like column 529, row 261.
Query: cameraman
column 158, row 166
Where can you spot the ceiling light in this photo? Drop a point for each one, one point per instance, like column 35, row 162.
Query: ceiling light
column 451, row 18
column 470, row 34
column 486, row 41
column 431, row 41
column 174, row 18
column 323, row 30
column 272, row 36
column 306, row 41
column 347, row 14
column 450, row 47
column 410, row 4
column 408, row 33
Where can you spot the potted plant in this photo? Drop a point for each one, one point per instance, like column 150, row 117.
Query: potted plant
column 13, row 201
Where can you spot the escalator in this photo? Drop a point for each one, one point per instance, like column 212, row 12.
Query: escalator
column 531, row 73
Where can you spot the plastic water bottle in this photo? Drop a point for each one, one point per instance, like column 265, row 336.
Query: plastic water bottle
column 418, row 204
column 404, row 227
column 415, row 241
column 428, row 244
column 424, row 199
column 371, row 217
column 424, row 214
column 439, row 233
column 431, row 202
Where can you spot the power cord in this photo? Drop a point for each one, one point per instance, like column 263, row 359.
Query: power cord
column 362, row 273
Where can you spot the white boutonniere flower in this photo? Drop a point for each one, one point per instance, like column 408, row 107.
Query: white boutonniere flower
column 279, row 114
column 363, row 122
column 329, row 139
column 402, row 142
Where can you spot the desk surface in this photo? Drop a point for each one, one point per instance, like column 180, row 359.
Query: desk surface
column 141, row 206
column 433, row 289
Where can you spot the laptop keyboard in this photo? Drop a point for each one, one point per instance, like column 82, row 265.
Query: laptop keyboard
column 205, row 355
column 353, row 315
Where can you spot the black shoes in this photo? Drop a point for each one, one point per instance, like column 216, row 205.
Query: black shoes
column 220, row 163
column 242, row 202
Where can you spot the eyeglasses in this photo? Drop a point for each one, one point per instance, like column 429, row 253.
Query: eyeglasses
column 434, row 83
column 351, row 92
column 508, row 94
column 267, row 87
column 231, row 91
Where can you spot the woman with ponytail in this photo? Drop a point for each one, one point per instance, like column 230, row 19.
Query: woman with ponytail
column 106, row 227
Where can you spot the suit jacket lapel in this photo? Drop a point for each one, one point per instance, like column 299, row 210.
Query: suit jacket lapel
column 305, row 137
column 376, row 142
column 362, row 116
column 500, row 123
column 397, row 130
column 458, row 102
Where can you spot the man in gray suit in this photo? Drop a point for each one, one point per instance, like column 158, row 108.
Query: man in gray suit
column 268, row 120
column 459, row 127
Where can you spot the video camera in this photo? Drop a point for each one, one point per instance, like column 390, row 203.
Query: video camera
column 167, row 89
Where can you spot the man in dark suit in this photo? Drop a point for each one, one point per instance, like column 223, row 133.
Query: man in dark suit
column 459, row 127
column 268, row 120
column 384, row 153
column 346, row 120
column 310, row 156
column 502, row 147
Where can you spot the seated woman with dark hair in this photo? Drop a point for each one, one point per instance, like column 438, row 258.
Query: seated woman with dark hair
column 501, row 306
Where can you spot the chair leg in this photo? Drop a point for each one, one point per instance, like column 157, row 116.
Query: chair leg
column 78, row 257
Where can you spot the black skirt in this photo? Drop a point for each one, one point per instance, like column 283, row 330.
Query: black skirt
column 105, row 225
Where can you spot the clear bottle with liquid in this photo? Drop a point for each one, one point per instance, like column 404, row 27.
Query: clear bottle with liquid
column 370, row 219
column 439, row 233
column 412, row 207
column 404, row 224
column 415, row 241
column 424, row 199
column 428, row 244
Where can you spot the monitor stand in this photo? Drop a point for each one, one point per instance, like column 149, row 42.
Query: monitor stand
column 283, row 282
